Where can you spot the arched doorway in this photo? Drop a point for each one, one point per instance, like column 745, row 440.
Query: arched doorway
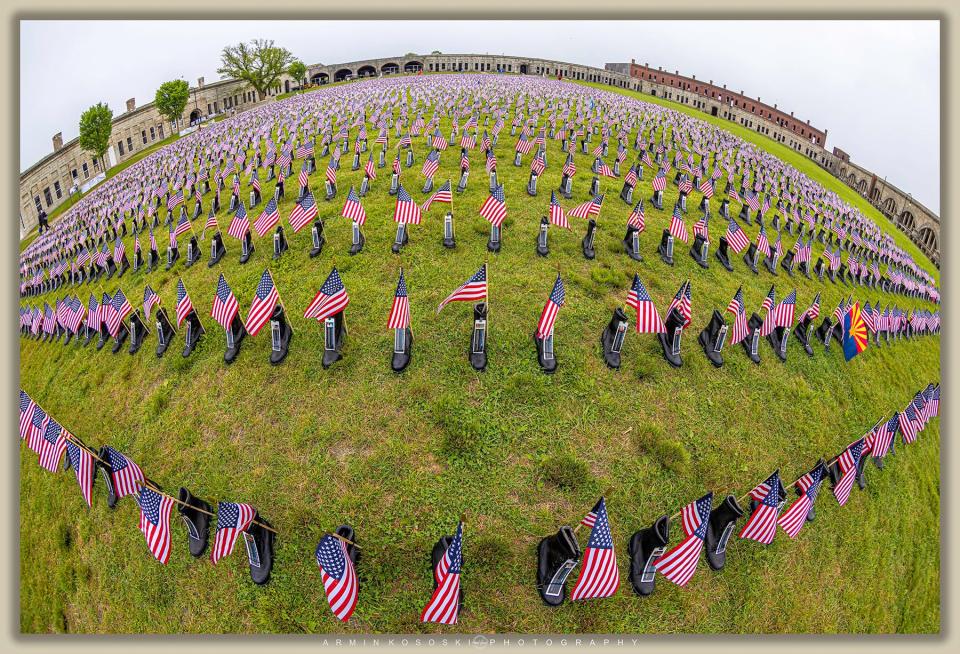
column 875, row 194
column 906, row 222
column 320, row 78
column 342, row 74
column 286, row 86
column 390, row 68
column 889, row 206
column 928, row 239
column 194, row 116
column 367, row 71
column 412, row 67
column 523, row 69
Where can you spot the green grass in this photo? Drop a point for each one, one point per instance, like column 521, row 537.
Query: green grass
column 400, row 457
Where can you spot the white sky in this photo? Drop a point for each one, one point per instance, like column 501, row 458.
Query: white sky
column 874, row 85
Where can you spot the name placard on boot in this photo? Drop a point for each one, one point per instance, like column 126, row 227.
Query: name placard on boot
column 253, row 552
column 618, row 337
column 555, row 587
column 649, row 571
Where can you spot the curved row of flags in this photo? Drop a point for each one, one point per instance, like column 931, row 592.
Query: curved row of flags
column 598, row 575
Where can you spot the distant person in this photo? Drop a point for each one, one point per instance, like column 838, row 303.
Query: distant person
column 42, row 220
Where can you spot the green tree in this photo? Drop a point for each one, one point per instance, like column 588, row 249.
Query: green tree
column 298, row 71
column 96, row 125
column 259, row 63
column 171, row 98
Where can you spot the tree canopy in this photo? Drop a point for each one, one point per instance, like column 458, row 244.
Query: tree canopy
column 171, row 98
column 260, row 63
column 96, row 125
column 297, row 70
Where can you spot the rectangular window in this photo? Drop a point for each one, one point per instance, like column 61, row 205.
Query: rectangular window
column 56, row 188
column 47, row 196
column 86, row 172
column 160, row 130
column 130, row 144
column 216, row 107
column 96, row 164
column 74, row 173
column 209, row 109
column 153, row 134
column 36, row 201
column 120, row 147
column 143, row 135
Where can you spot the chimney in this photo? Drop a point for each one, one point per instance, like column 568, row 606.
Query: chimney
column 774, row 105
column 57, row 141
column 632, row 60
column 694, row 77
column 199, row 82
column 131, row 104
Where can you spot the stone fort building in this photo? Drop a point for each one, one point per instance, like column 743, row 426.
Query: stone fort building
column 68, row 169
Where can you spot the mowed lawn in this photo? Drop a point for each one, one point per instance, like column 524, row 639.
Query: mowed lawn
column 400, row 457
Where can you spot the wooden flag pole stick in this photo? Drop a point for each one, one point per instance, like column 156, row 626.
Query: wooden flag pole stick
column 280, row 300
column 147, row 484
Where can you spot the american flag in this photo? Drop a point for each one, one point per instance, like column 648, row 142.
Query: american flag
column 304, row 177
column 701, row 227
column 636, row 217
column 93, row 314
column 120, row 310
column 119, row 251
column 442, row 194
column 265, row 298
column 352, row 209
column 439, row 142
column 339, row 576
column 763, row 245
column 38, row 426
column 173, row 237
column 369, row 169
column 331, row 173
column 660, row 181
column 648, row 320
column 599, row 576
column 473, row 289
column 524, row 145
column 848, row 462
column 762, row 524
column 604, row 170
column 468, row 140
column 211, row 222
column 840, row 311
column 737, row 308
column 444, row 604
column 431, row 164
column 732, row 193
column 785, row 312
column 155, row 522
column 550, row 310
column 400, row 311
column 232, row 518
column 126, row 474
column 332, row 298
column 225, row 305
column 884, row 435
column 52, row 445
column 494, row 208
column 184, row 305
column 240, row 224
column 814, row 310
column 175, row 200
column 569, row 166
column 681, row 302
column 84, row 256
column 631, row 178
column 556, row 213
column 406, row 210
column 303, row 212
column 538, row 164
column 150, row 299
column 908, row 424
column 491, row 163
column 680, row 563
column 153, row 241
column 27, row 406
column 82, row 463
column 678, row 228
column 588, row 208
column 778, row 246
column 833, row 257
column 706, row 187
column 396, row 164
column 795, row 517
column 269, row 217
column 136, row 243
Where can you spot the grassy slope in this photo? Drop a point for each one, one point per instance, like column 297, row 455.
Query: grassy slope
column 400, row 457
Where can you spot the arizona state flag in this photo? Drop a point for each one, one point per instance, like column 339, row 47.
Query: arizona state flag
column 854, row 332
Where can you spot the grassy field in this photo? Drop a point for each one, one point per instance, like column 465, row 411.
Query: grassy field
column 400, row 457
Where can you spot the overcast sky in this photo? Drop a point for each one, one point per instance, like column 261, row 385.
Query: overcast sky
column 874, row 85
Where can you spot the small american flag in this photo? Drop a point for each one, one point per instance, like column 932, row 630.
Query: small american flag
column 369, row 169
column 82, row 463
column 38, row 426
column 588, row 208
column 303, row 212
column 265, row 298
column 473, row 289
column 599, row 576
column 332, row 298
column 431, row 164
column 763, row 245
column 701, row 227
column 785, row 312
column 444, row 604
column 396, row 164
column 184, row 305
column 538, row 164
column 682, row 303
column 569, row 166
column 908, row 424
column 240, row 224
column 27, row 406
column 848, row 462
column 331, row 173
column 660, row 181
column 52, row 446
column 813, row 311
column 126, row 474
column 119, row 251
column 494, row 208
column 269, row 217
column 680, row 563
column 225, row 305
column 232, row 519
column 636, row 217
column 648, row 320
column 183, row 225
column 550, row 310
column 155, row 522
column 304, row 177
column 556, row 213
column 442, row 194
column 121, row 309
column 339, row 576
column 678, row 228
column 795, row 517
column 399, row 317
column 406, row 210
column 762, row 524
column 353, row 210
column 93, row 313
column 150, row 299
column 736, row 307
